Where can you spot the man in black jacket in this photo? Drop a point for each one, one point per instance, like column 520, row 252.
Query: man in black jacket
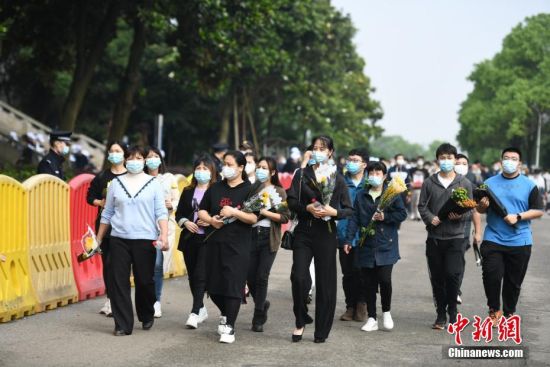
column 52, row 163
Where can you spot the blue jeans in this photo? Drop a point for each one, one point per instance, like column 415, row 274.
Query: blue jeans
column 159, row 274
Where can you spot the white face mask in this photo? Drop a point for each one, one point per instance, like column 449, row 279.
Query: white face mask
column 400, row 162
column 461, row 169
column 250, row 168
column 229, row 172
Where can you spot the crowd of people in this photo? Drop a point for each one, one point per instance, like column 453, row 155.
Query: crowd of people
column 231, row 216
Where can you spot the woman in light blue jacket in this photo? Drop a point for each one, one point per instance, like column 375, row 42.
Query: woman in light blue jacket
column 133, row 208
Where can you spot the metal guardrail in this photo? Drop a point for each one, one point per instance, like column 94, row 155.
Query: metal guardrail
column 12, row 119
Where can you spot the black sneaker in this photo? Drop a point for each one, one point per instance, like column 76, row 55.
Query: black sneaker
column 440, row 322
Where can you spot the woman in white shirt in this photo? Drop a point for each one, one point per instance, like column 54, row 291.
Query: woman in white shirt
column 154, row 166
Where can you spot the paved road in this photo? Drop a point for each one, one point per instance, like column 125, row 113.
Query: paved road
column 78, row 336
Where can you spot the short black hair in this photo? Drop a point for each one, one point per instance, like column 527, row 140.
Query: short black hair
column 511, row 150
column 446, row 148
column 377, row 166
column 361, row 152
column 251, row 155
column 460, row 156
column 136, row 149
column 399, row 155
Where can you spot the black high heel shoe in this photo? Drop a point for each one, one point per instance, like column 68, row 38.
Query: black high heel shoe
column 297, row 338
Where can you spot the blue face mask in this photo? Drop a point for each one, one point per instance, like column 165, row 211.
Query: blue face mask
column 115, row 158
column 65, row 150
column 134, row 166
column 153, row 163
column 262, row 175
column 319, row 156
column 446, row 165
column 375, row 181
column 203, row 177
column 353, row 167
column 311, row 162
column 509, row 166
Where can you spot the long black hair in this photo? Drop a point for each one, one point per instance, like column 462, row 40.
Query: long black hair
column 272, row 168
column 325, row 139
column 162, row 167
column 239, row 159
column 120, row 144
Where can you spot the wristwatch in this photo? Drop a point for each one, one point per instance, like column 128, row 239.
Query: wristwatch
column 518, row 217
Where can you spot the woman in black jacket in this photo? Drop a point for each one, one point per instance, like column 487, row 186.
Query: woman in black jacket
column 315, row 237
column 97, row 192
column 191, row 241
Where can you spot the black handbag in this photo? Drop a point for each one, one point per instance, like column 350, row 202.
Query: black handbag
column 288, row 237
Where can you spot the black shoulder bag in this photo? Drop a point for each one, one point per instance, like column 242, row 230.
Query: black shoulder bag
column 288, row 237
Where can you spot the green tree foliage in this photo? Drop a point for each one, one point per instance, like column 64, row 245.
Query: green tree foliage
column 511, row 93
column 218, row 70
column 389, row 145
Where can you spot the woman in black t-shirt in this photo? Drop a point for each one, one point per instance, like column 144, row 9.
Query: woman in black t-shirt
column 228, row 247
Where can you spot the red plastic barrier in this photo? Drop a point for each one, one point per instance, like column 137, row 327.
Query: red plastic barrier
column 286, row 180
column 87, row 274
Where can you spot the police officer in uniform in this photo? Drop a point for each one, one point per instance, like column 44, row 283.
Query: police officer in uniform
column 52, row 163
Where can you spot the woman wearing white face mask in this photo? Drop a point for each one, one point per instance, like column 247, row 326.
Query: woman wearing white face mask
column 250, row 167
column 191, row 241
column 97, row 192
column 154, row 166
column 315, row 238
column 134, row 209
column 228, row 248
column 266, row 239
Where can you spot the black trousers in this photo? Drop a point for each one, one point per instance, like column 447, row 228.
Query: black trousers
column 445, row 264
column 313, row 240
column 138, row 256
column 261, row 261
column 228, row 306
column 466, row 247
column 352, row 281
column 504, row 268
column 194, row 255
column 374, row 277
column 105, row 250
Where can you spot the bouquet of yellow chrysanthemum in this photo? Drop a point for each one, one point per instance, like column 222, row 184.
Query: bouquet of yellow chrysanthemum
column 395, row 188
column 90, row 246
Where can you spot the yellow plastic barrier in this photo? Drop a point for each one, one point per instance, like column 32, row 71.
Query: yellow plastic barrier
column 49, row 242
column 16, row 293
column 177, row 266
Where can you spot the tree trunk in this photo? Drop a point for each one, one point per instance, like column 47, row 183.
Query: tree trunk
column 86, row 62
column 225, row 122
column 129, row 83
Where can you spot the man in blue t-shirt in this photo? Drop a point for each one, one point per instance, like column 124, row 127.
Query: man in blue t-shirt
column 507, row 241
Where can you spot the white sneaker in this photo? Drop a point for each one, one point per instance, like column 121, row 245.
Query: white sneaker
column 158, row 311
column 458, row 299
column 193, row 321
column 203, row 315
column 221, row 325
column 387, row 321
column 106, row 309
column 228, row 335
column 371, row 325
